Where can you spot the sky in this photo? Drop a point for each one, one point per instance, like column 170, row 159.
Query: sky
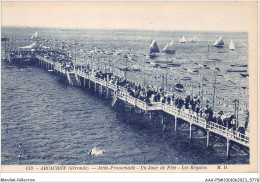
column 190, row 16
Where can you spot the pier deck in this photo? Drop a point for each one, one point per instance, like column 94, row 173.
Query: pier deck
column 122, row 94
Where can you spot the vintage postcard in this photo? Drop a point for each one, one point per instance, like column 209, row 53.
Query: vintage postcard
column 126, row 87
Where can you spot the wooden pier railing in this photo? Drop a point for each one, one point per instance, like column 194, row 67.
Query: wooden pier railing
column 208, row 125
column 186, row 115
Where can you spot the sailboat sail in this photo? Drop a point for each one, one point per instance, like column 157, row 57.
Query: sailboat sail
column 182, row 40
column 166, row 47
column 169, row 48
column 153, row 47
column 193, row 40
column 35, row 35
column 231, row 45
column 32, row 36
column 219, row 42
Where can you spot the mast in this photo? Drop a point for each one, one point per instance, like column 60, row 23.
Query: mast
column 75, row 56
column 166, row 80
column 5, row 49
column 91, row 61
column 125, row 70
column 144, row 74
column 214, row 91
column 208, row 51
column 109, row 63
column 202, row 94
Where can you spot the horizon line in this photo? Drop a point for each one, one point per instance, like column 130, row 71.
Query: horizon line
column 137, row 29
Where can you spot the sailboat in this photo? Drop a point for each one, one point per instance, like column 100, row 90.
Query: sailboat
column 35, row 35
column 169, row 48
column 153, row 49
column 193, row 40
column 219, row 42
column 231, row 45
column 182, row 40
column 210, row 59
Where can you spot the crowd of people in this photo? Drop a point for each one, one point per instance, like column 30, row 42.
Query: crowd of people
column 149, row 94
column 152, row 95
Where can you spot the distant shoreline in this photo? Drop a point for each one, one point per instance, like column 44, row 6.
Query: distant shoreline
column 139, row 30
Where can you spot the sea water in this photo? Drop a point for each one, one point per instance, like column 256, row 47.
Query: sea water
column 59, row 124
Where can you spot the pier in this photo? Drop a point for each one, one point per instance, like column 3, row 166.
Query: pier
column 78, row 76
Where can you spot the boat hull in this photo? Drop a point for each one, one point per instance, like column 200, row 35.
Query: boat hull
column 169, row 52
column 212, row 60
column 153, row 55
column 236, row 70
column 219, row 46
column 245, row 75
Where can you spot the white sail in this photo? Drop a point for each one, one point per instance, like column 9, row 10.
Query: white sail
column 36, row 35
column 32, row 36
column 193, row 40
column 169, row 48
column 153, row 47
column 219, row 42
column 231, row 45
column 166, row 47
column 182, row 40
column 171, row 44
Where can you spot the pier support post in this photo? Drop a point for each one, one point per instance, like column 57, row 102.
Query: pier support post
column 95, row 87
column 228, row 147
column 175, row 123
column 208, row 136
column 84, row 82
column 151, row 115
column 190, row 130
column 88, row 83
column 101, row 89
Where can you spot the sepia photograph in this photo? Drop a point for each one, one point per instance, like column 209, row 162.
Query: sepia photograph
column 129, row 87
